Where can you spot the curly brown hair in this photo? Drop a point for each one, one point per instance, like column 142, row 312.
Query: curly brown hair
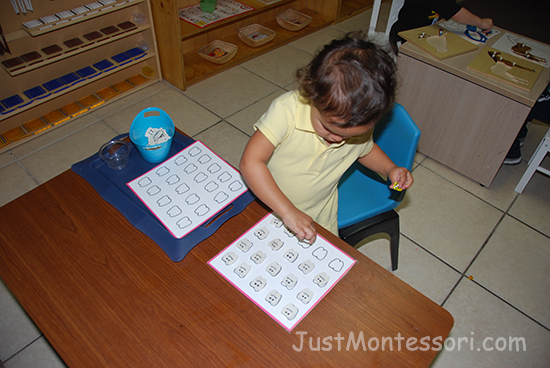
column 350, row 79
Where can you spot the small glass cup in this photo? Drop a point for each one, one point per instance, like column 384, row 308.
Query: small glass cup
column 116, row 154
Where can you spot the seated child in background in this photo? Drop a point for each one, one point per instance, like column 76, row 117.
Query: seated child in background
column 420, row 13
column 307, row 139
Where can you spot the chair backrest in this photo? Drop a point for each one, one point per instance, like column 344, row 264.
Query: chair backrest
column 398, row 136
column 394, row 12
column 363, row 193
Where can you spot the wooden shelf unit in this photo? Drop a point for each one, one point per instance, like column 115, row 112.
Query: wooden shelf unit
column 21, row 41
column 179, row 41
column 349, row 8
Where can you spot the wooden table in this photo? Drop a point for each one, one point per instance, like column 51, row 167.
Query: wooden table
column 105, row 295
column 468, row 121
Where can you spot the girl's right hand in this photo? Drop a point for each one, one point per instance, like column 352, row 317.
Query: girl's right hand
column 302, row 225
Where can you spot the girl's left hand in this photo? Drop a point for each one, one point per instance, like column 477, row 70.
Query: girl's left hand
column 402, row 177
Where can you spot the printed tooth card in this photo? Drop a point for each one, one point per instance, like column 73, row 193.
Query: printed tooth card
column 188, row 189
column 283, row 276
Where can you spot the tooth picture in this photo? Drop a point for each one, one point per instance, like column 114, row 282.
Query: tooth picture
column 192, row 199
column 261, row 233
column 244, row 245
column 144, row 182
column 184, row 222
column 200, row 177
column 242, row 270
column 154, row 190
column 290, row 311
column 235, row 186
column 320, row 253
column 221, row 197
column 183, row 188
column 274, row 268
column 194, row 151
column 204, row 159
column 336, row 265
column 180, row 160
column 230, row 258
column 191, row 168
column 225, row 176
column 211, row 186
column 174, row 211
column 276, row 222
column 163, row 171
column 274, row 297
column 258, row 283
column 214, row 168
column 164, row 200
column 188, row 189
column 202, row 210
column 172, row 179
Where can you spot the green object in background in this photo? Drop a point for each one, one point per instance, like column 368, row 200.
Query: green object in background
column 208, row 5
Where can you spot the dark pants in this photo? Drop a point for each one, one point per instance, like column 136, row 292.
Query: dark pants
column 540, row 111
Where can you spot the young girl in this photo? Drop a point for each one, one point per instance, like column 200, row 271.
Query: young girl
column 308, row 138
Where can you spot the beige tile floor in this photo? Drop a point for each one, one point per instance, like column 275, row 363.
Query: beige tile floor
column 451, row 228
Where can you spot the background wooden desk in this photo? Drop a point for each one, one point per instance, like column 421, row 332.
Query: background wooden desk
column 105, row 295
column 468, row 121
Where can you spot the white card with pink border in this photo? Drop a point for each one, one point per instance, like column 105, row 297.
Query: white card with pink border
column 283, row 276
column 189, row 188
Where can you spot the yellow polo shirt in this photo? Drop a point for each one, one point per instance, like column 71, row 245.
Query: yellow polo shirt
column 305, row 167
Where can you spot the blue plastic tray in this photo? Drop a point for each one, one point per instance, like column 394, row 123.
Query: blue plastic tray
column 111, row 186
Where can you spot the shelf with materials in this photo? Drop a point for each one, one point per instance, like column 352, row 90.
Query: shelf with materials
column 349, row 8
column 120, row 47
column 187, row 67
column 77, row 18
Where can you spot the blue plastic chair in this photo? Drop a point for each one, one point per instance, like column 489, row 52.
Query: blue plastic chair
column 365, row 201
